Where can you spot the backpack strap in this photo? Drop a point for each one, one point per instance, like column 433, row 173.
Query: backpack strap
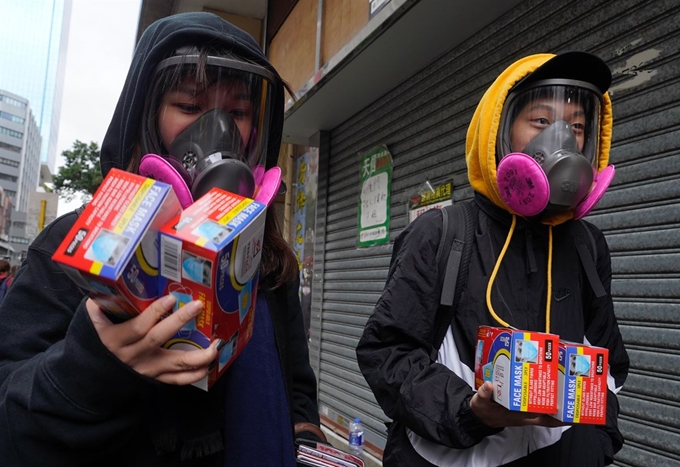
column 453, row 258
column 3, row 288
column 587, row 253
column 450, row 250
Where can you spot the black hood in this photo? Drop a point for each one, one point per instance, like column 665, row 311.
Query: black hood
column 159, row 41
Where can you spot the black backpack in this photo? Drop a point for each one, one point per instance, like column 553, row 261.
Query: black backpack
column 453, row 257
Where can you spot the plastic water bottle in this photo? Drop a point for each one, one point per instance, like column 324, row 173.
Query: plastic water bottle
column 356, row 438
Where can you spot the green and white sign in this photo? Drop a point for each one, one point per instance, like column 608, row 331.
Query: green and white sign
column 374, row 199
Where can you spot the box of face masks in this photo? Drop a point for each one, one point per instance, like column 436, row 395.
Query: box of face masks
column 112, row 249
column 522, row 367
column 582, row 383
column 211, row 252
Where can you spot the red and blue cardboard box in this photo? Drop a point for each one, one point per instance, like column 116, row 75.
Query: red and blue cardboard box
column 112, row 249
column 211, row 252
column 522, row 367
column 582, row 383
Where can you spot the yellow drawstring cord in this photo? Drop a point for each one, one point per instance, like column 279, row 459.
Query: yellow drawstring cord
column 495, row 271
column 498, row 265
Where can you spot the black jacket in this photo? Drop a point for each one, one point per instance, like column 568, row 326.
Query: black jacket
column 429, row 401
column 65, row 400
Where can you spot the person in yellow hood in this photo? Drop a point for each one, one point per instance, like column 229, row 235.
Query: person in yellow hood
column 537, row 152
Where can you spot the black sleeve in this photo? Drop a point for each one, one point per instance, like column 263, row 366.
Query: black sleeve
column 602, row 330
column 394, row 350
column 303, row 381
column 64, row 398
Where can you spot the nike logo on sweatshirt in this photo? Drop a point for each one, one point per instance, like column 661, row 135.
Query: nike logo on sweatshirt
column 561, row 293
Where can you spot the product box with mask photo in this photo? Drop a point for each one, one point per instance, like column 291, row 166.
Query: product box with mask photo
column 111, row 252
column 582, row 383
column 522, row 367
column 211, row 252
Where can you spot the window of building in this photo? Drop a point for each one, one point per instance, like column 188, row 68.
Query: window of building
column 14, row 102
column 10, row 178
column 9, row 162
column 10, row 147
column 11, row 117
column 7, row 131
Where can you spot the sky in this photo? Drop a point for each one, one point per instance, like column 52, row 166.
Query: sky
column 101, row 41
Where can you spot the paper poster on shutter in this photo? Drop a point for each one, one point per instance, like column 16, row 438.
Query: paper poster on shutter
column 300, row 209
column 374, row 197
column 433, row 197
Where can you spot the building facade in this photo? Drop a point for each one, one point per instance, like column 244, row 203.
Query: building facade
column 20, row 144
column 406, row 75
column 33, row 45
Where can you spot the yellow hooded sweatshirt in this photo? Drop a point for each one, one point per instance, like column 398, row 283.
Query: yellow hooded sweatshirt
column 480, row 147
column 480, row 155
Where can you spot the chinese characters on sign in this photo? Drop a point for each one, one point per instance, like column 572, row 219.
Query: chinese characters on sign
column 304, row 203
column 436, row 198
column 374, row 200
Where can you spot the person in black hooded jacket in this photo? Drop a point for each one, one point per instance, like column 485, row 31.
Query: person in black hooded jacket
column 79, row 390
column 542, row 129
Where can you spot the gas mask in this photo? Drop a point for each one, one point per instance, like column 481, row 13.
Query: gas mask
column 206, row 126
column 211, row 150
column 548, row 147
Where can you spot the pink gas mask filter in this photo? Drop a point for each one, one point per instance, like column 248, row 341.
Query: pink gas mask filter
column 526, row 189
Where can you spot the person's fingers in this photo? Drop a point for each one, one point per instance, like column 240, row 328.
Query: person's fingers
column 177, row 361
column 97, row 316
column 182, row 360
column 182, row 378
column 523, row 418
column 485, row 391
column 495, row 415
column 526, row 418
column 139, row 341
column 482, row 404
column 547, row 420
column 168, row 327
column 138, row 327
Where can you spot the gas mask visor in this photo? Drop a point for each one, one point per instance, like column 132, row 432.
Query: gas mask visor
column 551, row 119
column 210, row 117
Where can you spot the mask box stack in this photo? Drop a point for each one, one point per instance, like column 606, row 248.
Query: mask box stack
column 111, row 251
column 211, row 252
column 522, row 367
column 582, row 383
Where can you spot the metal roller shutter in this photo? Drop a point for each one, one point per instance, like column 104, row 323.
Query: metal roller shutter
column 423, row 121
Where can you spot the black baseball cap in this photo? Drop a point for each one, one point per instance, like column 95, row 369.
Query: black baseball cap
column 578, row 66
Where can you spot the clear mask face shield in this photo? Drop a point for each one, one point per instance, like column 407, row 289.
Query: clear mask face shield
column 210, row 120
column 556, row 123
